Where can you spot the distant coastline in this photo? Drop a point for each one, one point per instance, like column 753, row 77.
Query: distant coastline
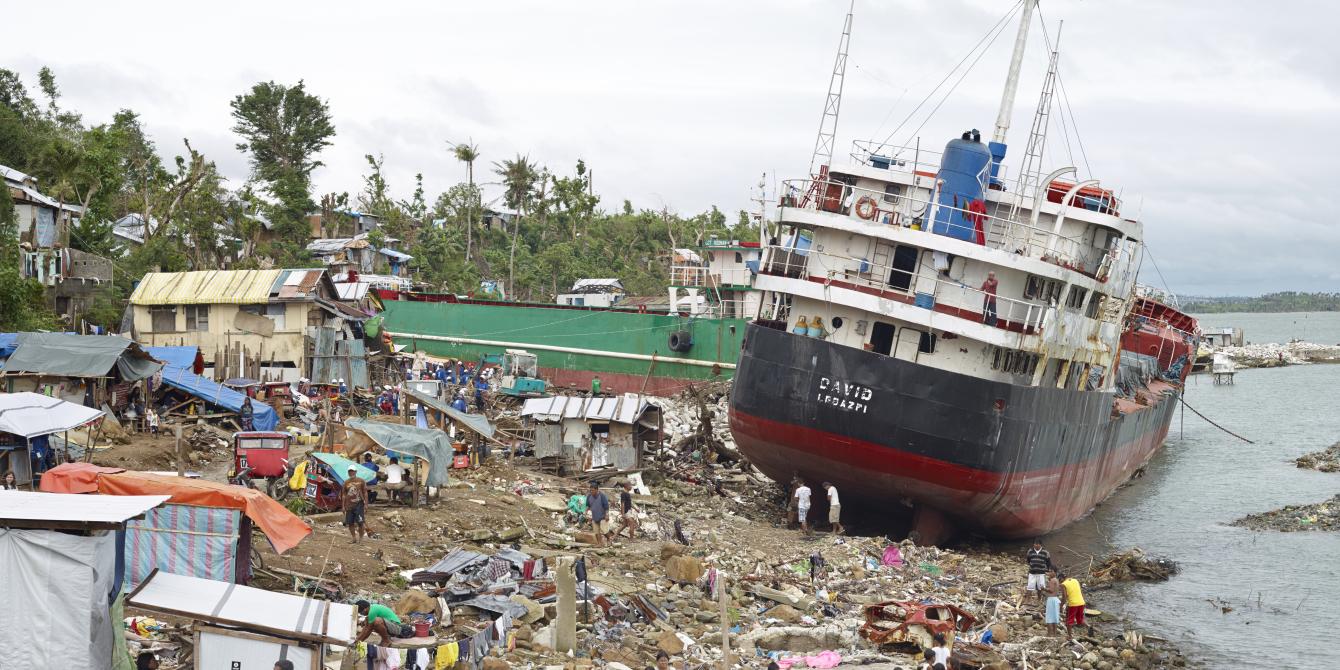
column 1287, row 301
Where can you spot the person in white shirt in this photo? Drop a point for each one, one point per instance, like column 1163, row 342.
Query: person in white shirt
column 395, row 477
column 803, row 507
column 834, row 509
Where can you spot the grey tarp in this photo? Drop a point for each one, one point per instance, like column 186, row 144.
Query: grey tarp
column 57, row 610
column 64, row 355
column 476, row 422
column 427, row 443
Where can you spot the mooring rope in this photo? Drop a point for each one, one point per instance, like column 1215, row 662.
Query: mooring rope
column 1212, row 423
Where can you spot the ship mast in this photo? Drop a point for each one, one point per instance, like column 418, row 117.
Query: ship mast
column 1012, row 78
column 823, row 144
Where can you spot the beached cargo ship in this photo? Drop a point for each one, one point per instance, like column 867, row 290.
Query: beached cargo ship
column 941, row 340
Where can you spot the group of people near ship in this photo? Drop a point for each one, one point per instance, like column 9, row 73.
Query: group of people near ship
column 799, row 503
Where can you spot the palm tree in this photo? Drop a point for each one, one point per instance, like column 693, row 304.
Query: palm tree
column 518, row 177
column 468, row 153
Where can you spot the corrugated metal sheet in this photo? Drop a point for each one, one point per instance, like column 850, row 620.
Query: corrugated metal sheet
column 56, row 507
column 627, row 408
column 206, row 287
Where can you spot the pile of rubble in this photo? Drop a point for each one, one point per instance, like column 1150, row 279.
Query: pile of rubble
column 1321, row 516
column 1326, row 460
column 1270, row 354
column 1133, row 565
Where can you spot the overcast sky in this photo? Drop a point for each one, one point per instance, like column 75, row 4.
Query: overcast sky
column 1214, row 120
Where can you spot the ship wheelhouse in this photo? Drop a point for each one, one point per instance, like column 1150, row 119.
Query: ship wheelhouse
column 891, row 254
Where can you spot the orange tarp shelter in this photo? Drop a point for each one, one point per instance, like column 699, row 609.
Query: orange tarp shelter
column 283, row 528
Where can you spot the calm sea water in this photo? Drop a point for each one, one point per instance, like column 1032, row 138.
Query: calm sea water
column 1283, row 588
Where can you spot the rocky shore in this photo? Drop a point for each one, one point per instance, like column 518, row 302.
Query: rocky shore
column 1321, row 516
column 1326, row 460
column 1273, row 355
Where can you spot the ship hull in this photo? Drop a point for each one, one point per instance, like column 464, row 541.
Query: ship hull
column 628, row 350
column 999, row 459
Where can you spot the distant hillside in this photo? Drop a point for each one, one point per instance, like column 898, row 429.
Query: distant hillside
column 1287, row 301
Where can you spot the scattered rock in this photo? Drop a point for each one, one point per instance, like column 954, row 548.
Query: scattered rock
column 785, row 613
column 1326, row 460
column 683, row 569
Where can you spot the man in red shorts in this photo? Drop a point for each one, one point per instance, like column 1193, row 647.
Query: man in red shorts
column 1074, row 604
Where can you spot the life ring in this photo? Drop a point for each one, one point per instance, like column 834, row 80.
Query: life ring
column 681, row 341
column 866, row 208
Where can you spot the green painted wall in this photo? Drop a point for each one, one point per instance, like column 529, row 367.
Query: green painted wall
column 717, row 340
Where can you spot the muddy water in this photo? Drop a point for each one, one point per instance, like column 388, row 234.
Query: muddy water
column 1282, row 589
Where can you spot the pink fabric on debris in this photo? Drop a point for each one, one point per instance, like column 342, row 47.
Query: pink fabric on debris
column 822, row 660
column 892, row 556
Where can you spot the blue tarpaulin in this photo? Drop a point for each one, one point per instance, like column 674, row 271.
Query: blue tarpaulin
column 210, row 391
column 339, row 467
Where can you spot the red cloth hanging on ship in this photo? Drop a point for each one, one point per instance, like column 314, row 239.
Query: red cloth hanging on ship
column 977, row 214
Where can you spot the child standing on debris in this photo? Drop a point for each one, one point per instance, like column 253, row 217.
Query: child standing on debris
column 803, row 507
column 629, row 518
column 1052, row 612
column 941, row 650
column 1074, row 605
column 598, row 506
column 834, row 509
column 152, row 417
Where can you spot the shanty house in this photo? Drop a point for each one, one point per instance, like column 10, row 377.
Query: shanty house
column 594, row 293
column 83, row 369
column 265, row 318
column 62, row 578
column 585, row 433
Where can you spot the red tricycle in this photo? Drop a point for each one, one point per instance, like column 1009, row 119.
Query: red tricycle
column 263, row 455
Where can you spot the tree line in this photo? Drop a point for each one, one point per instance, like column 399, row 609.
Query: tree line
column 555, row 231
column 1284, row 301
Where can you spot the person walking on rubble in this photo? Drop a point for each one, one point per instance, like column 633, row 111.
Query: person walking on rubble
column 598, row 506
column 248, row 415
column 834, row 509
column 354, row 500
column 1039, row 562
column 803, row 507
column 1074, row 605
column 628, row 518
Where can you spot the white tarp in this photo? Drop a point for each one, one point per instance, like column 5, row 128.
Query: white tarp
column 32, row 414
column 225, row 650
column 34, row 508
column 56, row 611
column 246, row 607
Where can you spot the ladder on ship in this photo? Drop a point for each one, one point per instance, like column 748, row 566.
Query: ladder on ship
column 1030, row 171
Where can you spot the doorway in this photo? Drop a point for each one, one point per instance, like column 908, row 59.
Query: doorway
column 881, row 338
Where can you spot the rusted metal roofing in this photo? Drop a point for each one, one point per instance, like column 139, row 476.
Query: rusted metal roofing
column 233, row 287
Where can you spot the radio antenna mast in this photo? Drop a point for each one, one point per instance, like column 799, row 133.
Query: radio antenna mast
column 823, row 144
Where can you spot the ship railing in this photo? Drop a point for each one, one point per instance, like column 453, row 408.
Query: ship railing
column 910, row 212
column 903, row 285
column 698, row 276
column 912, row 159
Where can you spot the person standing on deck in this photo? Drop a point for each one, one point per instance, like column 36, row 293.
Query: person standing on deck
column 595, row 386
column 834, row 509
column 1039, row 562
column 989, row 299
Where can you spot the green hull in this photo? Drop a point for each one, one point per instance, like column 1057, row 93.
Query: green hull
column 628, row 350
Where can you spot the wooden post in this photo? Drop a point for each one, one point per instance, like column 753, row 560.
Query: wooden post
column 565, row 631
column 181, row 455
column 722, row 598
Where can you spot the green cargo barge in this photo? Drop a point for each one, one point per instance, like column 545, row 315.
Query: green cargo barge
column 630, row 350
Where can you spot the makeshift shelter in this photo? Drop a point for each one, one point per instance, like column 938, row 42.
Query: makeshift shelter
column 243, row 627
column 88, row 369
column 26, row 419
column 476, row 423
column 181, row 372
column 282, row 528
column 61, row 576
column 429, row 444
column 325, row 477
column 584, row 433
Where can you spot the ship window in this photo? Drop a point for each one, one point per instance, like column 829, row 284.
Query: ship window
column 1075, row 299
column 1040, row 288
column 1095, row 305
column 927, row 343
column 904, row 267
column 892, row 192
column 881, row 338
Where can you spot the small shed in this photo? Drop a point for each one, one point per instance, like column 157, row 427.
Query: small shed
column 594, row 432
column 61, row 576
column 244, row 627
column 26, row 421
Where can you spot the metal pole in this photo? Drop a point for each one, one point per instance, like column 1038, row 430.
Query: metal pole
column 181, row 455
column 1012, row 77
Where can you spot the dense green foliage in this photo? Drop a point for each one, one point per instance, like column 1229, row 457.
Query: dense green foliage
column 553, row 231
column 1285, row 301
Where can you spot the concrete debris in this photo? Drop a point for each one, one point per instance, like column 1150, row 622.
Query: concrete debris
column 1271, row 354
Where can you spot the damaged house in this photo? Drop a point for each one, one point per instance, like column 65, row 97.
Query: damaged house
column 586, row 433
column 270, row 325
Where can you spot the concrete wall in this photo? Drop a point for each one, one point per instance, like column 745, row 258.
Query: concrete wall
column 286, row 343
